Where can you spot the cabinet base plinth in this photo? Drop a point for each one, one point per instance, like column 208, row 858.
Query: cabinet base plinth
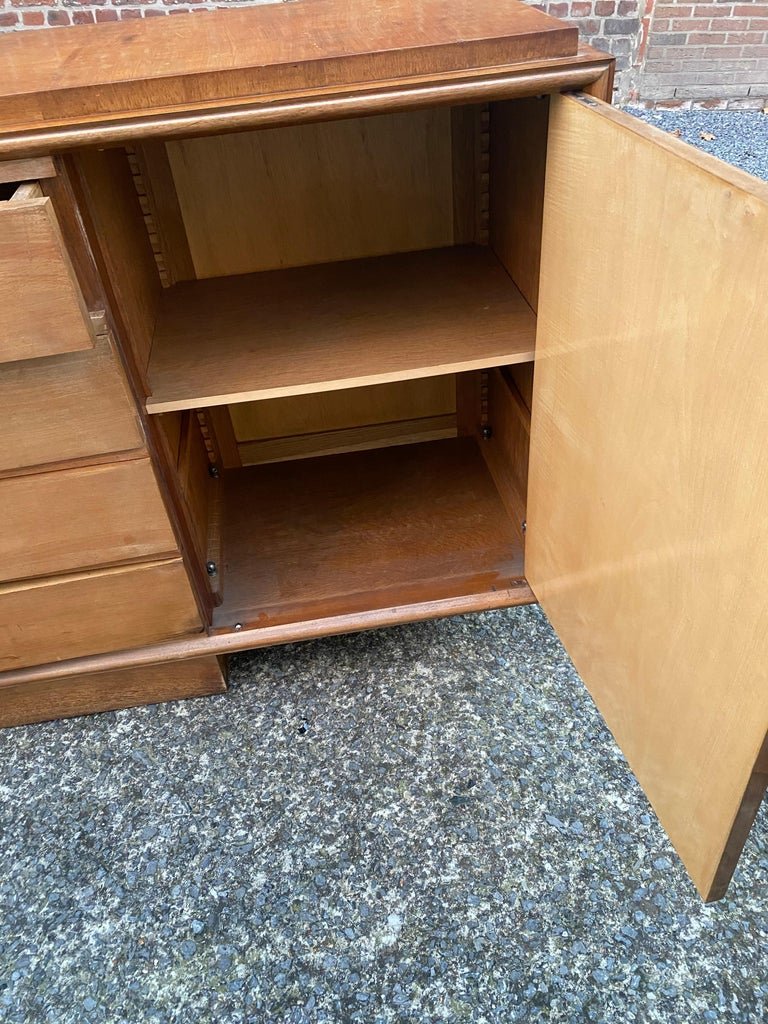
column 92, row 692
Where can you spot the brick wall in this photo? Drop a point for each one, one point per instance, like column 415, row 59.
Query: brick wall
column 669, row 52
column 612, row 25
column 709, row 53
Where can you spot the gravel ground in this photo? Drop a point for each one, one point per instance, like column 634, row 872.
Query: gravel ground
column 428, row 823
column 422, row 824
column 740, row 136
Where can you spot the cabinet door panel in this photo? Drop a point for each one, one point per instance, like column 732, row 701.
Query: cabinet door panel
column 647, row 540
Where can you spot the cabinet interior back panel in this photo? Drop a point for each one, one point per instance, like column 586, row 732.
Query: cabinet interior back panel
column 317, row 193
column 340, row 410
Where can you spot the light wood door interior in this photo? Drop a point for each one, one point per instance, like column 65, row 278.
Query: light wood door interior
column 647, row 539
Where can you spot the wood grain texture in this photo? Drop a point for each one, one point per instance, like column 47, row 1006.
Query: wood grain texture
column 31, row 169
column 81, row 518
column 518, row 167
column 227, row 640
column 522, row 375
column 269, row 49
column 116, row 226
column 332, row 422
column 506, row 451
column 338, row 410
column 66, row 407
column 163, row 210
column 336, row 326
column 196, row 484
column 472, row 85
column 352, row 532
column 42, row 311
column 87, row 613
column 222, row 431
column 316, row 193
column 348, row 439
column 109, row 691
column 647, row 533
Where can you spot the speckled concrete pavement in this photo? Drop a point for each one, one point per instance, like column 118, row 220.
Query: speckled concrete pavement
column 422, row 824
column 428, row 823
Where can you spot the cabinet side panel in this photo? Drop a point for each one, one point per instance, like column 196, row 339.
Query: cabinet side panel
column 118, row 224
column 518, row 166
column 647, row 539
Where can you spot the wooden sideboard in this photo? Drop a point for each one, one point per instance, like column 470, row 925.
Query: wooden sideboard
column 272, row 290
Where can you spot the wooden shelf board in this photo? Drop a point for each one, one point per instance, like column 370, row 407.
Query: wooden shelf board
column 337, row 325
column 351, row 533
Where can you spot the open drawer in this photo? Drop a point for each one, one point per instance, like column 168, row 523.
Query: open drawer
column 42, row 312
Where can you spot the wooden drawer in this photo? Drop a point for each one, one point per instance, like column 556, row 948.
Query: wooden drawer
column 65, row 407
column 81, row 518
column 42, row 311
column 90, row 613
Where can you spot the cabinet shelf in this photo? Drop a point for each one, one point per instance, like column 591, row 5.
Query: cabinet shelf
column 337, row 325
column 364, row 531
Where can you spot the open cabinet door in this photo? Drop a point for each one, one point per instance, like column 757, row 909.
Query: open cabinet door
column 647, row 540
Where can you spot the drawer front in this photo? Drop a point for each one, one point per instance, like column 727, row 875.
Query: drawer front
column 80, row 519
column 65, row 407
column 42, row 311
column 91, row 613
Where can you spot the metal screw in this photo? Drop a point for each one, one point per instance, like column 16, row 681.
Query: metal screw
column 238, row 626
column 213, row 471
column 486, row 433
column 211, row 568
column 524, row 525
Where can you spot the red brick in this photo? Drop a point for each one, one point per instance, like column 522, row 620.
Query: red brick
column 755, row 51
column 581, row 8
column 604, row 8
column 745, row 37
column 33, row 3
column 706, row 38
column 723, row 52
column 712, row 11
column 672, row 11
column 126, row 13
column 58, row 18
column 687, row 25
column 589, row 26
column 83, row 17
column 751, row 10
column 627, row 7
column 8, row 19
column 556, row 10
column 33, row 18
column 106, row 15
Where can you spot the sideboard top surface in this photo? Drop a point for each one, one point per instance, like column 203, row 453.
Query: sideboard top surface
column 272, row 48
